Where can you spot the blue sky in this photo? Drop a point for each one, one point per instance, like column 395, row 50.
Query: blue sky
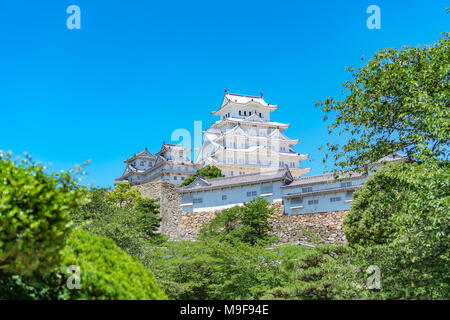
column 137, row 70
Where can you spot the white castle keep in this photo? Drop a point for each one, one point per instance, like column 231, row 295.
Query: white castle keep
column 245, row 140
column 257, row 160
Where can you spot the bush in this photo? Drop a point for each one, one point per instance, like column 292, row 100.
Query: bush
column 107, row 272
column 34, row 214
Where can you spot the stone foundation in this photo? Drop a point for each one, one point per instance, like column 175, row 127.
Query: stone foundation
column 323, row 227
column 169, row 201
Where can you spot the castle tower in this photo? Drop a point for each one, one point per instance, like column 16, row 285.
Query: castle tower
column 245, row 140
column 171, row 164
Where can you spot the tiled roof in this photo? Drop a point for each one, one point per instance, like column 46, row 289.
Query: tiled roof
column 250, row 122
column 144, row 154
column 349, row 175
column 323, row 178
column 320, row 191
column 170, row 147
column 259, row 177
column 244, row 99
column 392, row 158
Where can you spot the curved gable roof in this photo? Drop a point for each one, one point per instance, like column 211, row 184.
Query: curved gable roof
column 240, row 99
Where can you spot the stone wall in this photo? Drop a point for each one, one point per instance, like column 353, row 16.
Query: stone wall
column 169, row 201
column 323, row 227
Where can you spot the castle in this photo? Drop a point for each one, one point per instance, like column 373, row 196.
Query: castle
column 257, row 160
column 244, row 140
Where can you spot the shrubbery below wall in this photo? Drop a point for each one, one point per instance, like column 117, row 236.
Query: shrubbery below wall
column 106, row 272
column 37, row 244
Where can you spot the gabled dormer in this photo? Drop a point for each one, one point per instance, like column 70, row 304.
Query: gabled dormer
column 199, row 182
column 242, row 106
column 142, row 160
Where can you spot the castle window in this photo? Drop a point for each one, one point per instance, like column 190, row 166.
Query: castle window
column 251, row 193
column 250, row 113
column 245, row 113
column 260, row 115
column 335, row 199
column 240, row 113
column 313, row 201
column 142, row 163
column 174, row 177
column 197, row 200
column 308, row 189
column 297, row 201
column 346, row 184
column 224, row 197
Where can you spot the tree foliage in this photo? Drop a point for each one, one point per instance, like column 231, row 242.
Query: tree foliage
column 106, row 272
column 206, row 172
column 112, row 275
column 397, row 102
column 35, row 215
column 123, row 194
column 400, row 218
column 213, row 269
column 126, row 217
column 248, row 223
column 398, row 193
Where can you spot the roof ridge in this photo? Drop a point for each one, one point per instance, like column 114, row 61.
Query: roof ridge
column 248, row 174
column 317, row 175
column 244, row 95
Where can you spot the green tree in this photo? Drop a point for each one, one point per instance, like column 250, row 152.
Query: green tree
column 132, row 222
column 214, row 269
column 35, row 214
column 147, row 216
column 123, row 194
column 248, row 223
column 94, row 207
column 399, row 221
column 206, row 172
column 397, row 102
column 320, row 273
